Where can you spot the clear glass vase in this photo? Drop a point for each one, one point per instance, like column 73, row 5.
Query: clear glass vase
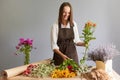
column 27, row 58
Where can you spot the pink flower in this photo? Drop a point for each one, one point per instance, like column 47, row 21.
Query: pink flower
column 30, row 66
column 25, row 46
column 29, row 41
column 17, row 47
column 21, row 40
column 26, row 72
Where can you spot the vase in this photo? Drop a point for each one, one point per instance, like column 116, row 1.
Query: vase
column 107, row 66
column 100, row 65
column 27, row 58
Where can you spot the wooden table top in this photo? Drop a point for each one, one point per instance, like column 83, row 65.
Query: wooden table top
column 114, row 76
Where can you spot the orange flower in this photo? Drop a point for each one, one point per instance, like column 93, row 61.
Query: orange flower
column 94, row 25
column 90, row 24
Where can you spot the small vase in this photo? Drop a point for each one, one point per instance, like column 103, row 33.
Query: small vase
column 107, row 66
column 100, row 65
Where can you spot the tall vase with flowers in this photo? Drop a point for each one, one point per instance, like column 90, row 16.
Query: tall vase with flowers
column 25, row 46
column 87, row 36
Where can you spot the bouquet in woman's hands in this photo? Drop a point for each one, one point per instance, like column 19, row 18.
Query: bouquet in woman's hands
column 87, row 35
column 103, row 53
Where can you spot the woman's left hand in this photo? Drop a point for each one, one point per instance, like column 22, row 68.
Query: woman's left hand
column 81, row 44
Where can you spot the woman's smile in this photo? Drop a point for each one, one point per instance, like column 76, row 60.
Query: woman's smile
column 66, row 13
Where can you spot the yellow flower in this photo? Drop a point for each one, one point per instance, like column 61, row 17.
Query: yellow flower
column 72, row 74
column 54, row 76
column 62, row 73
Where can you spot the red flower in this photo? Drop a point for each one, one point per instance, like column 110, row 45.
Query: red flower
column 70, row 68
column 26, row 72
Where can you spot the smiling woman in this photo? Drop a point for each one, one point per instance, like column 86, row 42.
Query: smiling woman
column 64, row 36
column 66, row 14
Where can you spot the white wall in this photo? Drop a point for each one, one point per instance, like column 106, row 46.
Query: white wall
column 34, row 18
column 114, row 28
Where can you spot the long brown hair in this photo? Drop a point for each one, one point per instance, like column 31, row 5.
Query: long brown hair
column 70, row 19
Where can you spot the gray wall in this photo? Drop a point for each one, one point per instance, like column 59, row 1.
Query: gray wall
column 34, row 18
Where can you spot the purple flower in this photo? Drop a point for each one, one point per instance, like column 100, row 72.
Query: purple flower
column 103, row 53
column 24, row 45
column 29, row 41
column 21, row 40
column 17, row 47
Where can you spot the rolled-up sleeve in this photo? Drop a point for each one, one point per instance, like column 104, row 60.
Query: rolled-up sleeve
column 76, row 34
column 54, row 36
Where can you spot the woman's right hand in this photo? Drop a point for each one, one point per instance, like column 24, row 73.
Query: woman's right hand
column 61, row 54
column 65, row 57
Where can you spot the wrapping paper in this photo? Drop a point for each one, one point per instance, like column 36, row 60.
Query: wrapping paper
column 18, row 70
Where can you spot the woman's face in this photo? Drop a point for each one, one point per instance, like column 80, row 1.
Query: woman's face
column 66, row 13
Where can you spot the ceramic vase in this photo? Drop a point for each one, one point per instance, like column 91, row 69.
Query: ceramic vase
column 107, row 66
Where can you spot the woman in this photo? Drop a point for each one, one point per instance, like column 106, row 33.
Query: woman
column 64, row 36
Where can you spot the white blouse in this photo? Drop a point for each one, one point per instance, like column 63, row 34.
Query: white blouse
column 54, row 34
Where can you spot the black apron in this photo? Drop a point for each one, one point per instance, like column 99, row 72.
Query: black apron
column 66, row 45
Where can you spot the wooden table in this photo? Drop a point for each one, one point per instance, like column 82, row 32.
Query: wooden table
column 113, row 75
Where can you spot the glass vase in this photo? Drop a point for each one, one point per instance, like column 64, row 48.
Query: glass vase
column 27, row 58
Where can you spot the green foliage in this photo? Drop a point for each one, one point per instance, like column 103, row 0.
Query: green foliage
column 68, row 62
column 87, row 36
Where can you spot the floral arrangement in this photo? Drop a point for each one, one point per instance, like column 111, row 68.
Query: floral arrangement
column 103, row 53
column 65, row 73
column 25, row 46
column 67, row 69
column 87, row 35
column 40, row 70
column 70, row 64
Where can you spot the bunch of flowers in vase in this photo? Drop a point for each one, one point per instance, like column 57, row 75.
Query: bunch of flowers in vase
column 25, row 46
column 103, row 56
column 87, row 35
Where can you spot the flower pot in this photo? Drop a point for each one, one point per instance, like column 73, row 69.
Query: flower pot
column 107, row 66
column 100, row 65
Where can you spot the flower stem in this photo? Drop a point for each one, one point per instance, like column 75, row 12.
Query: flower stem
column 27, row 58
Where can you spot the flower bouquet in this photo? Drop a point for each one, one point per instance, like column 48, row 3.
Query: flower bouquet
column 87, row 36
column 39, row 70
column 25, row 47
column 65, row 70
